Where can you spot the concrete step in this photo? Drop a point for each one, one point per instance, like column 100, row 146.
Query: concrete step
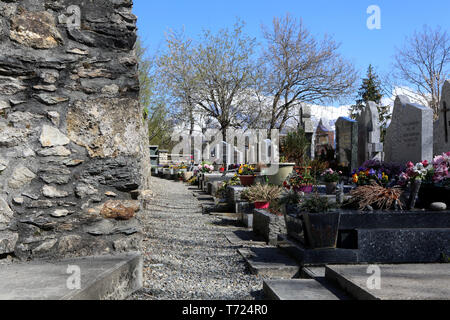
column 269, row 262
column 225, row 214
column 101, row 278
column 397, row 282
column 312, row 272
column 245, row 238
column 316, row 257
column 297, row 289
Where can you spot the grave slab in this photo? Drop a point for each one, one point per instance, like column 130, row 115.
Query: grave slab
column 270, row 262
column 316, row 257
column 297, row 289
column 403, row 245
column 244, row 238
column 102, row 278
column 398, row 282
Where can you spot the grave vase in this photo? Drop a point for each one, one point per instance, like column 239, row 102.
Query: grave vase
column 415, row 188
column 321, row 229
column 331, row 187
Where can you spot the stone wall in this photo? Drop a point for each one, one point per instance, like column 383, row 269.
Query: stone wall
column 73, row 147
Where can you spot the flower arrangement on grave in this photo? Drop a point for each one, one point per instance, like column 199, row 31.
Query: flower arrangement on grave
column 246, row 175
column 331, row 179
column 391, row 169
column 316, row 204
column 246, row 170
column 300, row 180
column 441, row 169
column 262, row 195
column 365, row 176
column 205, row 168
column 330, row 175
column 420, row 171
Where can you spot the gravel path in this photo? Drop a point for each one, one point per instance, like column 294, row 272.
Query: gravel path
column 186, row 254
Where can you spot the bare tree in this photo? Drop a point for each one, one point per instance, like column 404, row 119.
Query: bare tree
column 424, row 63
column 225, row 75
column 299, row 68
column 177, row 74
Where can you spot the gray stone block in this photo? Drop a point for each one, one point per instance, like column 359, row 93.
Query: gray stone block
column 297, row 289
column 397, row 282
column 268, row 225
column 102, row 278
column 403, row 245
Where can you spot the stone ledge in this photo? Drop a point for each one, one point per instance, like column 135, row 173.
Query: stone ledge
column 297, row 289
column 102, row 278
column 398, row 282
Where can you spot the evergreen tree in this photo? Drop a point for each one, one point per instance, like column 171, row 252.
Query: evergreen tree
column 370, row 90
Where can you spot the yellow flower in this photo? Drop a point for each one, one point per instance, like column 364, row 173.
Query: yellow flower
column 355, row 178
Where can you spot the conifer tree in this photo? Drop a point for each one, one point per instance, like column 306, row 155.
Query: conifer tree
column 370, row 90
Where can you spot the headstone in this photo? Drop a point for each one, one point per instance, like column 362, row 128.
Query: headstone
column 410, row 134
column 347, row 142
column 307, row 124
column 369, row 134
column 442, row 125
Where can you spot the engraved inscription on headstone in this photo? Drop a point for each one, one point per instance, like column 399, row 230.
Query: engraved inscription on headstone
column 410, row 134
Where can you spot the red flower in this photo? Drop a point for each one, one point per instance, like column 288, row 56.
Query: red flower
column 425, row 163
column 222, row 170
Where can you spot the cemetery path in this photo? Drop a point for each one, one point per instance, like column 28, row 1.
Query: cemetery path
column 186, row 255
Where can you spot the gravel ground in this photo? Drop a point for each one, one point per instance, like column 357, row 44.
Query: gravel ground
column 186, row 254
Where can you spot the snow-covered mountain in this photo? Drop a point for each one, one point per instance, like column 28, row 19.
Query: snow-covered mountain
column 328, row 114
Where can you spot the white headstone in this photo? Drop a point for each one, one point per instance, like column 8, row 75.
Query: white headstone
column 442, row 125
column 410, row 134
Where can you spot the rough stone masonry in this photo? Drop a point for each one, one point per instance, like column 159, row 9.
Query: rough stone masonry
column 73, row 146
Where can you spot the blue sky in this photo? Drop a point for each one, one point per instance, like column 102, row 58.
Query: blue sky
column 345, row 20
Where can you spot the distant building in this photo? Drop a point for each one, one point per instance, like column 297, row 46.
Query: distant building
column 324, row 141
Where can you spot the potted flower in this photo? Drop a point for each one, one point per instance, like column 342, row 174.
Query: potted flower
column 300, row 180
column 321, row 222
column 205, row 168
column 367, row 176
column 262, row 195
column 331, row 179
column 246, row 174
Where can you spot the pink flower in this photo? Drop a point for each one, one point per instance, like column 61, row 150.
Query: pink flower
column 425, row 163
column 410, row 165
